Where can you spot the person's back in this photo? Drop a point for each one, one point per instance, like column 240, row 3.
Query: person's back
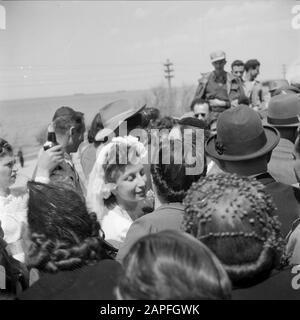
column 95, row 282
column 277, row 287
column 286, row 199
column 64, row 244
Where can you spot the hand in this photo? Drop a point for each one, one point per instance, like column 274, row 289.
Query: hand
column 48, row 160
column 217, row 103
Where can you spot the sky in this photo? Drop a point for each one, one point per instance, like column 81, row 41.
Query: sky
column 66, row 47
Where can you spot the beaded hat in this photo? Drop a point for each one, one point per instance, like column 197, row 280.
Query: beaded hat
column 234, row 217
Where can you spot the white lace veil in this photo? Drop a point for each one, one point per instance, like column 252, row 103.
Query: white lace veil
column 98, row 189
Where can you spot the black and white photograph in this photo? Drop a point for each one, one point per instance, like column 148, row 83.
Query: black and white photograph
column 150, row 150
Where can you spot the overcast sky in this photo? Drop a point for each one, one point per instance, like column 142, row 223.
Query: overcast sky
column 65, row 47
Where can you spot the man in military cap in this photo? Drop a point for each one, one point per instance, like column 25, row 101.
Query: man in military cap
column 220, row 88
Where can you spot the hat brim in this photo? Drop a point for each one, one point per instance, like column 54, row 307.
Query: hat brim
column 114, row 124
column 272, row 136
column 266, row 123
column 218, row 59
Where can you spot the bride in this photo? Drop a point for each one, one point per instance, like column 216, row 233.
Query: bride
column 116, row 184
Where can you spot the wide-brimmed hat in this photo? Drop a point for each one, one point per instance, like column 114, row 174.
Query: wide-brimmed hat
column 241, row 136
column 283, row 110
column 113, row 114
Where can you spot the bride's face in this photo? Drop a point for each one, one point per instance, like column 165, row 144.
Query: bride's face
column 131, row 185
column 8, row 172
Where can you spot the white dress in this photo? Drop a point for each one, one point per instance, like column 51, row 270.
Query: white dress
column 13, row 216
column 115, row 224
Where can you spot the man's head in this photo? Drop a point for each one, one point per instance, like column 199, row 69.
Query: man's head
column 69, row 128
column 242, row 144
column 252, row 68
column 200, row 108
column 237, row 68
column 283, row 114
column 218, row 60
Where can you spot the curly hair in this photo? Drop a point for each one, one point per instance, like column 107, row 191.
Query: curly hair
column 64, row 236
column 5, row 148
column 170, row 173
column 234, row 217
column 172, row 265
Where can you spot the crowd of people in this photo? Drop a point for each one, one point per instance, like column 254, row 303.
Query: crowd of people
column 205, row 206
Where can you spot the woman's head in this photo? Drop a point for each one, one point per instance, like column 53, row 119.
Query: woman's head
column 7, row 165
column 233, row 216
column 172, row 265
column 61, row 232
column 118, row 174
column 179, row 163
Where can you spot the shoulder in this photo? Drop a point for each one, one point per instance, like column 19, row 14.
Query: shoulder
column 205, row 77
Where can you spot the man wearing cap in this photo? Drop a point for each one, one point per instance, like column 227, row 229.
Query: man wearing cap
column 244, row 146
column 283, row 114
column 220, row 88
column 281, row 86
column 69, row 128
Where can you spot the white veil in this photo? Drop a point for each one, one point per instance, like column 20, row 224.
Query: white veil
column 98, row 189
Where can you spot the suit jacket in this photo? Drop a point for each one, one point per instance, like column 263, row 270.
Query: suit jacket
column 96, row 282
column 286, row 199
column 167, row 216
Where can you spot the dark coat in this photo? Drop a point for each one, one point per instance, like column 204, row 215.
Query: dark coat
column 96, row 282
column 286, row 199
column 277, row 287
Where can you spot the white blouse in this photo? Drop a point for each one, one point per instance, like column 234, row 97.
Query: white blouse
column 115, row 224
column 13, row 216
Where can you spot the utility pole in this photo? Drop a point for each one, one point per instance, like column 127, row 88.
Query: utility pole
column 169, row 76
column 284, row 71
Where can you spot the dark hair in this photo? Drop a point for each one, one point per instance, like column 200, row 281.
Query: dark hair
column 150, row 116
column 252, row 64
column 237, row 63
column 233, row 216
column 165, row 123
column 96, row 126
column 171, row 265
column 197, row 101
column 5, row 148
column 64, row 235
column 169, row 173
column 65, row 118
